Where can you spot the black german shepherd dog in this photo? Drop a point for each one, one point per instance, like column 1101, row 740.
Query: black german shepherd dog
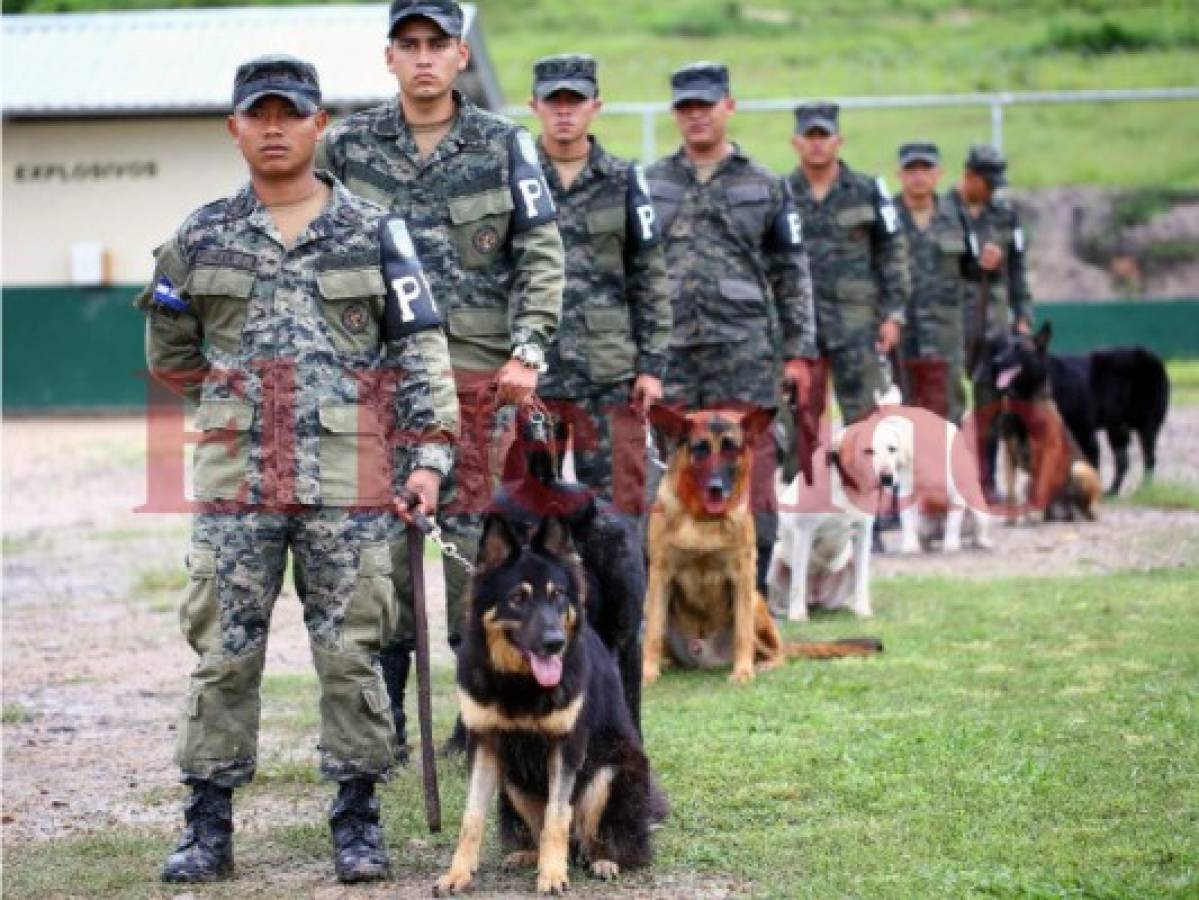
column 1120, row 390
column 546, row 720
column 606, row 540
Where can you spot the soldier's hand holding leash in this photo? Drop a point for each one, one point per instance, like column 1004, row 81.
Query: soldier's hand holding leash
column 420, row 496
column 647, row 390
column 798, row 372
column 888, row 336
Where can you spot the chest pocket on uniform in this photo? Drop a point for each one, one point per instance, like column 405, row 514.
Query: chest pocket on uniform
column 480, row 226
column 220, row 297
column 352, row 304
column 950, row 248
column 606, row 229
column 749, row 205
column 855, row 223
column 667, row 198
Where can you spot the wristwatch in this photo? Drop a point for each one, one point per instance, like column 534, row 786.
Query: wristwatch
column 530, row 356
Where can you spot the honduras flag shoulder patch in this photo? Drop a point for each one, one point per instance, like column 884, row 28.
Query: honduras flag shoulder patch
column 166, row 296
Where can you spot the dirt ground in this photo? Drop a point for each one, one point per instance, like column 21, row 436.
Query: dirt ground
column 92, row 680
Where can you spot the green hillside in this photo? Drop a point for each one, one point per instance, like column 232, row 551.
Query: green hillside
column 791, row 48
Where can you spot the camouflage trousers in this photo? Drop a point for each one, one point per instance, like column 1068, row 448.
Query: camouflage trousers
column 935, row 373
column 465, row 495
column 745, row 373
column 236, row 565
column 859, row 372
column 607, row 439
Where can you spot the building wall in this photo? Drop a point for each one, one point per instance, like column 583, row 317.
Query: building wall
column 125, row 183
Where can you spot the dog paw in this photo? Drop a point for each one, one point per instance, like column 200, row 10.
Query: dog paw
column 605, row 869
column 910, row 549
column 650, row 673
column 553, row 880
column 862, row 612
column 798, row 615
column 951, row 547
column 984, row 543
column 521, row 859
column 742, row 675
column 453, row 882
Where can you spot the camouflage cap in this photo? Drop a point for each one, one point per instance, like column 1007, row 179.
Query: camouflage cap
column 823, row 116
column 574, row 72
column 445, row 14
column 707, row 82
column 919, row 151
column 989, row 164
column 280, row 75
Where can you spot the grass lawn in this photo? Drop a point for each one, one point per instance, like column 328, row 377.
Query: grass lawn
column 800, row 48
column 1018, row 738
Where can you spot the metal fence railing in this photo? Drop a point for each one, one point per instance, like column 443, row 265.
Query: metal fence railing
column 996, row 102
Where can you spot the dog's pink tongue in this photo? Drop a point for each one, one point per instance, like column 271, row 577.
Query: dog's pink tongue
column 546, row 669
column 1006, row 376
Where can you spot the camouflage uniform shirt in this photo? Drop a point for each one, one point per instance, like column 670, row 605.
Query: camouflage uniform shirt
column 935, row 255
column 282, row 347
column 496, row 270
column 1010, row 298
column 615, row 310
column 732, row 248
column 857, row 255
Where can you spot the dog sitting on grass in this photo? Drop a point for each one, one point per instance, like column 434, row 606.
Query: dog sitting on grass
column 702, row 604
column 546, row 720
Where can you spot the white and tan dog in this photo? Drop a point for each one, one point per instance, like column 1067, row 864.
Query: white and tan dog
column 822, row 529
column 935, row 471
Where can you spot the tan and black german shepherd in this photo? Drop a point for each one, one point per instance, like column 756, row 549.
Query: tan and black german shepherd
column 702, row 601
column 546, row 720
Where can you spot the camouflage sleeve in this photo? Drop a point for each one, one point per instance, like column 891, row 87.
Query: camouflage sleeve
column 535, row 304
column 890, row 256
column 789, row 277
column 329, row 156
column 174, row 335
column 426, row 403
column 1019, row 296
column 539, row 260
column 645, row 281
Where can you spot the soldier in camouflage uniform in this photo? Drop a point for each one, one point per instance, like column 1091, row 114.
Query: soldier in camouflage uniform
column 266, row 308
column 998, row 268
column 610, row 349
column 859, row 265
column 733, row 250
column 471, row 189
column 936, row 240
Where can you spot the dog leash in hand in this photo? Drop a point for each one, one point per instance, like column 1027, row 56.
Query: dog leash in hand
column 424, row 704
column 432, row 531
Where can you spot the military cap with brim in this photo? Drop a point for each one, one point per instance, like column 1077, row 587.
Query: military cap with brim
column 707, row 82
column 574, row 72
column 817, row 115
column 277, row 75
column 988, row 163
column 445, row 14
column 919, row 151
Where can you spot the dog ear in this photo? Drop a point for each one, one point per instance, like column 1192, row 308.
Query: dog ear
column 499, row 543
column 1042, row 338
column 554, row 538
column 756, row 421
column 670, row 420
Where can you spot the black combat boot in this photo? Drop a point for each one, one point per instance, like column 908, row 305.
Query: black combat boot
column 358, row 851
column 396, row 661
column 205, row 852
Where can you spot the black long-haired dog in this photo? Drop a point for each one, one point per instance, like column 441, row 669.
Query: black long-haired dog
column 546, row 720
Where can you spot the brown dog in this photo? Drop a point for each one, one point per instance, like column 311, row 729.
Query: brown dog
column 1060, row 478
column 702, row 555
column 702, row 600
